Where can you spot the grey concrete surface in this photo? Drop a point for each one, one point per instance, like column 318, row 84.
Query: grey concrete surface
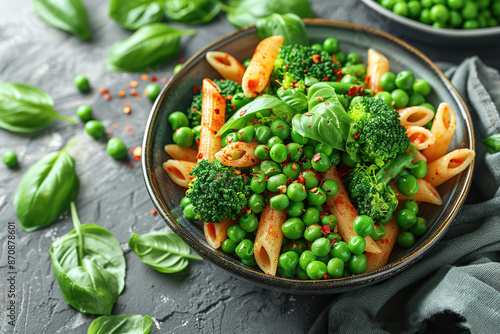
column 202, row 299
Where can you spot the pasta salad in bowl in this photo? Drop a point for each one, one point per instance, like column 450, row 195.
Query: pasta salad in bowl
column 312, row 163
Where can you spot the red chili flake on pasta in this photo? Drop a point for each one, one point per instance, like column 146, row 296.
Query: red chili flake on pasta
column 199, row 156
column 197, row 142
column 217, row 111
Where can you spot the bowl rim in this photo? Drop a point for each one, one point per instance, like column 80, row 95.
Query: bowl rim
column 255, row 274
column 450, row 33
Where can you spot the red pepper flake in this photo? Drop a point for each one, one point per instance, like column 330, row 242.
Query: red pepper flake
column 265, row 179
column 325, row 229
column 131, row 165
column 278, row 82
column 110, row 132
column 132, row 134
column 294, row 64
column 122, row 94
column 316, row 157
column 217, row 111
column 367, row 80
column 154, row 78
column 316, row 58
column 107, row 97
column 136, row 158
column 334, row 60
column 128, row 104
column 200, row 155
column 356, row 135
column 244, row 176
column 198, row 142
column 128, row 128
column 333, row 242
column 196, row 89
column 320, row 99
column 181, row 60
column 233, row 106
column 229, row 97
column 241, row 113
column 103, row 90
column 134, row 84
column 154, row 212
column 307, row 114
column 326, row 78
column 355, row 90
column 115, row 125
column 144, row 77
column 305, row 71
column 164, row 80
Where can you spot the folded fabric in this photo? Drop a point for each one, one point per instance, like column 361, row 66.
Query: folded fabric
column 455, row 288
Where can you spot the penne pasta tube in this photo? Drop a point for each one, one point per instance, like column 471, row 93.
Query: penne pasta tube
column 226, row 65
column 216, row 233
column 420, row 157
column 386, row 244
column 426, row 193
column 268, row 239
column 341, row 206
column 181, row 153
column 420, row 137
column 415, row 116
column 261, row 65
column 449, row 165
column 238, row 154
column 178, row 171
column 377, row 65
column 213, row 113
column 443, row 128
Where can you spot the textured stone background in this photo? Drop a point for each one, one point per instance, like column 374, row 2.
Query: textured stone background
column 203, row 299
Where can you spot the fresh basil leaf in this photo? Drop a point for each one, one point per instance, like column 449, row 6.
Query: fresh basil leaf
column 492, row 143
column 46, row 190
column 89, row 265
column 290, row 26
column 121, row 324
column 192, row 11
column 162, row 251
column 242, row 13
column 263, row 106
column 26, row 109
column 326, row 121
column 293, row 97
column 133, row 14
column 150, row 46
column 67, row 15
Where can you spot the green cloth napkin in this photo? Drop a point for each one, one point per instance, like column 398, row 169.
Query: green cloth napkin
column 455, row 288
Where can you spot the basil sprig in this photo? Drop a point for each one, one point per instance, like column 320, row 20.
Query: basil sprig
column 46, row 190
column 191, row 11
column 89, row 266
column 25, row 108
column 67, row 15
column 133, row 14
column 162, row 251
column 326, row 120
column 492, row 143
column 120, row 324
column 150, row 46
column 290, row 26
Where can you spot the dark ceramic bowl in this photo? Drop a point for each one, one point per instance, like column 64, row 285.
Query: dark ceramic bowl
column 429, row 34
column 177, row 94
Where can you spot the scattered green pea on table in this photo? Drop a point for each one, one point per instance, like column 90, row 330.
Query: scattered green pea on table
column 116, row 148
column 9, row 158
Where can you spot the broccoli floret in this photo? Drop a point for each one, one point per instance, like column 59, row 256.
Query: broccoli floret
column 217, row 192
column 227, row 88
column 296, row 62
column 368, row 190
column 376, row 134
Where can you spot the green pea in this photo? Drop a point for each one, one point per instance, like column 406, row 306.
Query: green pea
column 317, row 46
column 286, row 273
column 177, row 120
column 341, row 250
column 81, row 82
column 400, row 8
column 262, row 134
column 335, row 267
column 386, row 219
column 357, row 264
column 471, row 24
column 189, row 212
column 321, row 246
column 323, row 148
column 427, row 3
column 116, row 148
column 408, row 185
column 244, row 250
column 329, row 220
column 414, row 9
column 455, row 4
column 325, row 258
column 406, row 239
column 298, row 246
column 353, row 58
column 311, row 216
column 470, row 10
column 185, row 201
column 9, row 158
column 429, row 106
column 246, row 62
column 239, row 100
column 311, row 180
column 295, row 151
column 331, row 45
column 274, row 141
column 196, row 132
column 406, row 218
column 387, row 81
column 298, row 138
column 308, row 151
column 275, row 182
column 419, row 228
column 95, row 129
column 305, row 258
column 278, row 153
column 363, row 225
column 423, row 87
column 236, row 233
column 404, row 80
column 177, row 68
column 316, row 270
column 184, row 136
column 384, row 96
column 340, row 57
column 400, row 98
column 416, row 99
column 349, row 79
column 262, row 152
column 248, row 222
column 280, row 128
column 228, row 138
column 152, row 91
column 296, row 192
column 269, row 167
column 249, row 262
column 256, row 203
column 440, row 25
column 292, row 170
column 335, row 158
column 411, row 204
column 347, row 160
column 313, row 232
column 247, row 133
column 301, row 273
column 258, row 183
column 357, row 244
column 288, row 260
column 293, row 228
column 316, row 198
column 420, row 169
column 425, row 16
column 294, row 209
column 228, row 246
column 84, row 112
column 279, row 202
column 320, row 162
column 330, row 187
column 378, row 232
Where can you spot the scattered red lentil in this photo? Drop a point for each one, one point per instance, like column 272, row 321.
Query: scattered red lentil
column 110, row 132
column 131, row 150
column 126, row 110
column 164, row 79
column 134, row 84
column 132, row 134
column 122, row 93
column 144, row 77
column 154, row 78
column 103, row 90
column 131, row 165
column 107, row 97
column 154, row 212
column 127, row 86
column 115, row 125
column 128, row 128
column 128, row 104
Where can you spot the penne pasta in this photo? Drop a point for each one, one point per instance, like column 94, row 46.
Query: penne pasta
column 261, row 65
column 226, row 65
column 420, row 137
column 181, row 153
column 426, row 193
column 443, row 128
column 216, row 233
column 213, row 114
column 377, row 65
column 238, row 154
column 340, row 205
column 178, row 171
column 268, row 239
column 420, row 157
column 449, row 165
column 386, row 244
column 415, row 116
